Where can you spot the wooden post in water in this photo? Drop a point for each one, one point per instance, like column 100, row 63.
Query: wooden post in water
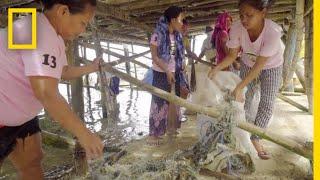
column 106, row 99
column 308, row 61
column 78, row 108
column 127, row 64
column 299, row 27
column 134, row 65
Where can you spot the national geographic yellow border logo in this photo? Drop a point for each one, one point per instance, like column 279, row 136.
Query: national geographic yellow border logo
column 33, row 12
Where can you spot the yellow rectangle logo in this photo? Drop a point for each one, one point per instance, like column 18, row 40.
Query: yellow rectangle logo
column 33, row 12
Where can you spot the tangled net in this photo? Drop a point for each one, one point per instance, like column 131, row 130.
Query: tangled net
column 215, row 149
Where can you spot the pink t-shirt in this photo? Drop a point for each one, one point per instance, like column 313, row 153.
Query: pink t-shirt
column 268, row 44
column 18, row 104
column 172, row 63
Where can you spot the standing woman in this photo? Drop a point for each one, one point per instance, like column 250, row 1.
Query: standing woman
column 167, row 55
column 261, row 60
column 220, row 37
column 29, row 82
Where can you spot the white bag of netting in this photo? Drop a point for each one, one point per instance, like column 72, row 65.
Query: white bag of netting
column 211, row 93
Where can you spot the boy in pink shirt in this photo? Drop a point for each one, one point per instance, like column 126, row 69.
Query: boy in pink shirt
column 29, row 82
column 262, row 59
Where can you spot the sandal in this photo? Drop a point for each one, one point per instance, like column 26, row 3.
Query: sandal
column 263, row 155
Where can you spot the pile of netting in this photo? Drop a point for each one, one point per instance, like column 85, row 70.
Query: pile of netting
column 220, row 148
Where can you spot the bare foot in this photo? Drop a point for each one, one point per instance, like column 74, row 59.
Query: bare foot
column 259, row 148
column 173, row 134
column 154, row 141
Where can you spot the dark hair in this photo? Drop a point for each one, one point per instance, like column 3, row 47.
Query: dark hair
column 185, row 21
column 172, row 12
column 208, row 29
column 257, row 4
column 75, row 6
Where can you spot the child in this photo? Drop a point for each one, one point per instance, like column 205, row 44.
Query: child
column 29, row 82
column 262, row 59
column 208, row 49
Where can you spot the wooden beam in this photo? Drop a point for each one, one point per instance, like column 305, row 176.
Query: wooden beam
column 12, row 3
column 122, row 58
column 116, row 12
column 292, row 102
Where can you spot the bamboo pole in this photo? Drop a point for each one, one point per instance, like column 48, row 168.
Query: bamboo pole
column 285, row 142
column 285, row 93
column 293, row 103
column 64, row 141
column 119, row 61
column 122, row 58
column 214, row 112
column 299, row 90
column 299, row 26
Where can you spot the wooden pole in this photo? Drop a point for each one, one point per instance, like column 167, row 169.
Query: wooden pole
column 78, row 108
column 122, row 58
column 216, row 113
column 49, row 137
column 134, row 65
column 107, row 106
column 127, row 64
column 308, row 61
column 299, row 26
column 288, row 56
column 108, row 47
column 3, row 18
column 300, row 74
column 293, row 103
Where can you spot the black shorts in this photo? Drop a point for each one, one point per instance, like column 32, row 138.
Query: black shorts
column 9, row 135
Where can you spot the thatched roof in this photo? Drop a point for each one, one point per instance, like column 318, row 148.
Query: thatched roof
column 133, row 20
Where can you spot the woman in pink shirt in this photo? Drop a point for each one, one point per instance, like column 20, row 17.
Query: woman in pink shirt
column 220, row 35
column 261, row 61
column 29, row 82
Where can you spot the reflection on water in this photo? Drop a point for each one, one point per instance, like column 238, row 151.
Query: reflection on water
column 133, row 118
column 134, row 106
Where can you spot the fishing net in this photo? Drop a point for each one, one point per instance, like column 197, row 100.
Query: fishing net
column 221, row 146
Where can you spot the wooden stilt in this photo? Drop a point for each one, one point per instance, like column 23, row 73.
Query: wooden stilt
column 107, row 106
column 134, row 65
column 288, row 56
column 299, row 26
column 308, row 61
column 128, row 67
column 78, row 108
